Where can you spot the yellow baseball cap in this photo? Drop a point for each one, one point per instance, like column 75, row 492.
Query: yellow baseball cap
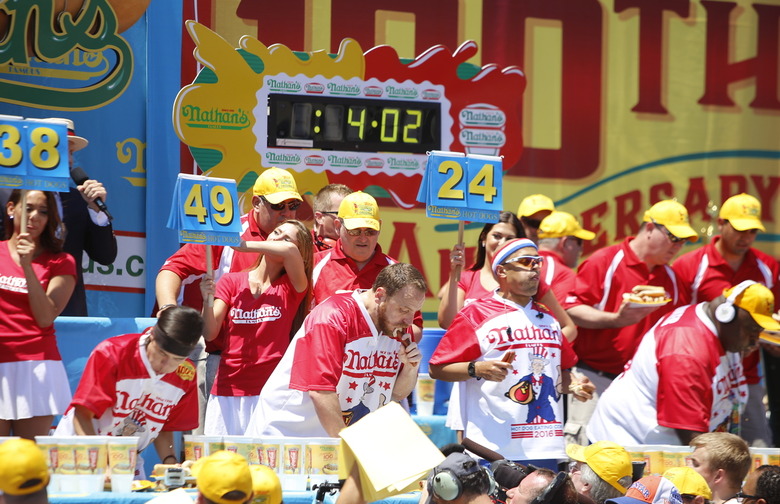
column 743, row 212
column 23, row 467
column 220, row 474
column 276, row 185
column 359, row 210
column 560, row 224
column 759, row 301
column 688, row 481
column 534, row 203
column 674, row 217
column 609, row 461
column 266, row 484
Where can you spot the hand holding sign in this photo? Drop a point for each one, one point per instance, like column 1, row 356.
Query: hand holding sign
column 205, row 211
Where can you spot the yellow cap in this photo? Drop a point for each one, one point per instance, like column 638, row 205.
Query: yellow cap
column 23, row 467
column 221, row 473
column 276, row 185
column 743, row 212
column 759, row 301
column 688, row 481
column 609, row 461
column 266, row 484
column 359, row 210
column 674, row 217
column 534, row 203
column 560, row 224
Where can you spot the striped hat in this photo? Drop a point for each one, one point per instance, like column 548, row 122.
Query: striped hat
column 510, row 248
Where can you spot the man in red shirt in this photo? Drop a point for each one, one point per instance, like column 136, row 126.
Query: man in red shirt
column 560, row 243
column 532, row 210
column 610, row 326
column 728, row 260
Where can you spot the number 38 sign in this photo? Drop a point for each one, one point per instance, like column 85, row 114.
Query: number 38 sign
column 33, row 154
column 205, row 210
column 462, row 187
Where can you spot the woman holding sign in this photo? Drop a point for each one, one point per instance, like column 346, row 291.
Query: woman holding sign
column 261, row 307
column 36, row 281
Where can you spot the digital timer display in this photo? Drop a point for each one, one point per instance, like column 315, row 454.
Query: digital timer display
column 353, row 124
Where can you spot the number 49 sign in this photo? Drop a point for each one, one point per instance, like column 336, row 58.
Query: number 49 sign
column 205, row 210
column 462, row 187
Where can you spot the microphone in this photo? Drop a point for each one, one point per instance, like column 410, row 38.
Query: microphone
column 79, row 176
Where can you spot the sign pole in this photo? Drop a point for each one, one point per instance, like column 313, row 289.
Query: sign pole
column 210, row 273
column 23, row 202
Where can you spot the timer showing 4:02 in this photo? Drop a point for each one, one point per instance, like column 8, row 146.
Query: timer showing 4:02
column 353, row 124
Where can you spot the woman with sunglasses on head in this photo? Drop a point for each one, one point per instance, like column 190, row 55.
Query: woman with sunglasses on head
column 36, row 281
column 478, row 280
column 261, row 308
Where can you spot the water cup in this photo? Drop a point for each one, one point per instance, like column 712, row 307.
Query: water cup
column 49, row 447
column 322, row 460
column 122, row 456
column 425, row 394
column 240, row 445
column 91, row 462
column 194, row 447
column 271, row 450
column 212, row 444
column 293, row 454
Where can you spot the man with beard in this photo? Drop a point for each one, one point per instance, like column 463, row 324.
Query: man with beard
column 492, row 343
column 349, row 358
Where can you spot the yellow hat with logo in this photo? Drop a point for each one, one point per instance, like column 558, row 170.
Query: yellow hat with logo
column 359, row 210
column 276, row 185
column 688, row 481
column 743, row 212
column 674, row 217
column 534, row 203
column 757, row 300
column 223, row 477
column 560, row 224
column 609, row 461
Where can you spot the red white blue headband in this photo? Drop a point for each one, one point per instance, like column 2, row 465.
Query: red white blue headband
column 510, row 248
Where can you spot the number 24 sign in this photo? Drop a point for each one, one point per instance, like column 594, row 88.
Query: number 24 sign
column 205, row 210
column 462, row 187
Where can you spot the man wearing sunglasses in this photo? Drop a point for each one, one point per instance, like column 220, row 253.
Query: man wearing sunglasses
column 762, row 486
column 560, row 243
column 492, row 345
column 727, row 260
column 609, row 326
column 326, row 209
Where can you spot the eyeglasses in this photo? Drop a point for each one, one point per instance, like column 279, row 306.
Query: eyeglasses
column 278, row 207
column 672, row 238
column 368, row 232
column 741, row 497
column 527, row 262
column 330, row 212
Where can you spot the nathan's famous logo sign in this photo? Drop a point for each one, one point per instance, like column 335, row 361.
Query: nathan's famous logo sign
column 65, row 55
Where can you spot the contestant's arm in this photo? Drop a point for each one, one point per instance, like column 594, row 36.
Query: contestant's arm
column 82, row 421
column 494, row 370
column 685, row 436
column 568, row 328
column 165, row 448
column 167, row 287
column 326, row 404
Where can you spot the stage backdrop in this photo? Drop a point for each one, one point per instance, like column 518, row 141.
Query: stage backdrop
column 606, row 106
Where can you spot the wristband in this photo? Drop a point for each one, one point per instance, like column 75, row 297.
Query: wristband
column 472, row 369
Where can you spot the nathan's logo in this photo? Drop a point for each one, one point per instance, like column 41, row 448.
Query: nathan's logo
column 344, row 161
column 314, row 160
column 401, row 92
column 343, row 89
column 482, row 137
column 374, row 162
column 372, row 91
column 482, row 115
column 431, row 94
column 279, row 158
column 42, row 45
column 314, row 88
column 215, row 118
column 395, row 163
column 283, row 85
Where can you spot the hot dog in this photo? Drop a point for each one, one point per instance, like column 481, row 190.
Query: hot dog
column 646, row 294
